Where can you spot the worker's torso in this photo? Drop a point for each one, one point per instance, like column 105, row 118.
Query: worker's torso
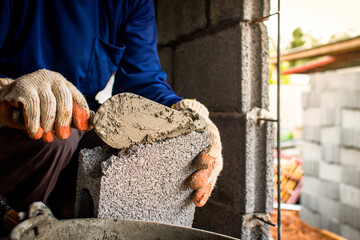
column 70, row 37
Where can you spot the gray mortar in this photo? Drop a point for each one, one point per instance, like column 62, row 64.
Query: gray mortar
column 126, row 119
column 145, row 182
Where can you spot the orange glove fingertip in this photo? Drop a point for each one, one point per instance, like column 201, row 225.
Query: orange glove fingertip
column 81, row 118
column 62, row 132
column 202, row 195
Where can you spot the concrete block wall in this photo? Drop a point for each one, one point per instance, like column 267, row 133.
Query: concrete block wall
column 330, row 197
column 211, row 52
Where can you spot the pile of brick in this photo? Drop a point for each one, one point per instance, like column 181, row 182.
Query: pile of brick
column 330, row 195
column 291, row 178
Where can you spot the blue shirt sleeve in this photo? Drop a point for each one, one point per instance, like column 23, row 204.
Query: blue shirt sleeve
column 139, row 71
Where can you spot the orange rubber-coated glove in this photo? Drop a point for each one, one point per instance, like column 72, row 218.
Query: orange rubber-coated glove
column 209, row 163
column 48, row 101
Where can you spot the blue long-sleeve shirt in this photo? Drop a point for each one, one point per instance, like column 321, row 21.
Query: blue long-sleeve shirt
column 86, row 41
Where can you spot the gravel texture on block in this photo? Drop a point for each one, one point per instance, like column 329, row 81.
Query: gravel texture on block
column 146, row 182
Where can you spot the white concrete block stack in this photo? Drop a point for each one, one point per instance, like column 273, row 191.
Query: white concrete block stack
column 330, row 196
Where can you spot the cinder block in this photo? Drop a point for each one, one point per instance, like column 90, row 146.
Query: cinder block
column 229, row 10
column 330, row 189
column 351, row 176
column 350, row 119
column 166, row 59
column 331, row 172
column 310, row 99
column 331, row 99
column 311, row 133
column 350, row 195
column 341, row 80
column 351, row 99
column 252, row 159
column 311, row 184
column 350, row 157
column 331, row 224
column 350, row 215
column 310, row 168
column 309, row 201
column 312, row 151
column 349, row 232
column 231, row 223
column 139, row 183
column 331, row 153
column 329, row 208
column 330, row 135
column 312, row 116
column 310, row 217
column 236, row 84
column 179, row 18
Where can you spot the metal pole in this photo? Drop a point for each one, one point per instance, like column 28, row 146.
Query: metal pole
column 278, row 126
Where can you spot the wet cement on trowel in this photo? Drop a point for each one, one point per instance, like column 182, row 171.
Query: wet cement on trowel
column 147, row 179
column 126, row 119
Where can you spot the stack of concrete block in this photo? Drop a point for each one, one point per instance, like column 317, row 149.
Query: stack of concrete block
column 211, row 52
column 330, row 197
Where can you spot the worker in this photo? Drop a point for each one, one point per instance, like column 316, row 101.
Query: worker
column 55, row 56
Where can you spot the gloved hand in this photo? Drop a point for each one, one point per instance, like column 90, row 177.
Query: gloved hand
column 209, row 162
column 48, row 102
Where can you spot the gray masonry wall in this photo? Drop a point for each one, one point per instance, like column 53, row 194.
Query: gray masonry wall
column 330, row 196
column 211, row 52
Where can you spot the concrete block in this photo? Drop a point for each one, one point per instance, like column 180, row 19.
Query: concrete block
column 232, row 223
column 351, row 176
column 330, row 135
column 311, row 168
column 252, row 159
column 330, row 224
column 350, row 216
column 331, row 99
column 309, row 201
column 311, row 133
column 350, row 157
column 179, row 18
column 329, row 208
column 331, row 172
column 351, row 99
column 312, row 116
column 331, row 153
column 230, row 10
column 330, row 189
column 350, row 119
column 138, row 183
column 312, row 151
column 310, row 217
column 350, row 137
column 317, row 116
column 350, row 195
column 237, row 84
column 310, row 99
column 339, row 80
column 166, row 59
column 311, row 185
column 349, row 232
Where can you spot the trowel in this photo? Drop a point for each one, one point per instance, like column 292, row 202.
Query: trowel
column 126, row 119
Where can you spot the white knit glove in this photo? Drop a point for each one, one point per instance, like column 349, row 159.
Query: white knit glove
column 48, row 102
column 209, row 162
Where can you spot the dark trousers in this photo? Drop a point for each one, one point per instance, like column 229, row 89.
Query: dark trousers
column 33, row 170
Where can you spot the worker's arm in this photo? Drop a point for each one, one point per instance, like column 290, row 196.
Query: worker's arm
column 139, row 71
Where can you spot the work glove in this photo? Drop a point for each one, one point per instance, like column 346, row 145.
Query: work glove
column 48, row 103
column 209, row 162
